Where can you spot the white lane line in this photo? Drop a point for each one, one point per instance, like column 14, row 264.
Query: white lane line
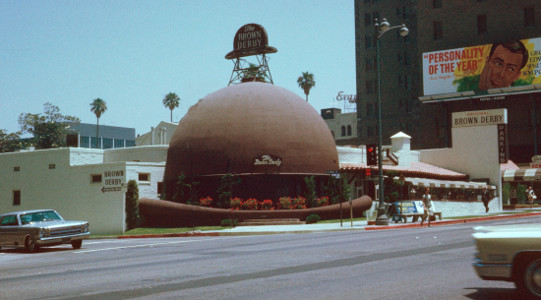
column 144, row 245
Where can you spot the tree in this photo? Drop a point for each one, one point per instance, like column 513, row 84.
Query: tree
column 132, row 205
column 310, row 193
column 171, row 101
column 49, row 130
column 98, row 107
column 306, row 82
column 253, row 73
column 9, row 142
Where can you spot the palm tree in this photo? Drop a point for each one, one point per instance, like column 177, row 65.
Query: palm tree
column 306, row 82
column 171, row 101
column 98, row 107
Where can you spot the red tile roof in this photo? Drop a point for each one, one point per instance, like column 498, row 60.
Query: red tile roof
column 416, row 169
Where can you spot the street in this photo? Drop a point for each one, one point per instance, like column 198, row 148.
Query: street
column 416, row 263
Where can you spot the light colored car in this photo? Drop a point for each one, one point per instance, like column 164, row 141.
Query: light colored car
column 36, row 228
column 510, row 253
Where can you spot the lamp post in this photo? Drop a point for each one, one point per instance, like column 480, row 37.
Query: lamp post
column 382, row 28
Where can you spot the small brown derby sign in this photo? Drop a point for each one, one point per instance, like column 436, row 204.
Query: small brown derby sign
column 267, row 164
column 251, row 39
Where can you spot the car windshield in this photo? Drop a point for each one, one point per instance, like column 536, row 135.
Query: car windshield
column 39, row 217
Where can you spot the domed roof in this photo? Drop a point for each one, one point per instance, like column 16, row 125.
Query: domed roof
column 251, row 128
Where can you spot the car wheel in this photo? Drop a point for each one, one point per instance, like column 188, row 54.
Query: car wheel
column 77, row 244
column 529, row 279
column 30, row 244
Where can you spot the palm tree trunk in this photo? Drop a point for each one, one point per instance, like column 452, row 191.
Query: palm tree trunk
column 171, row 116
column 98, row 133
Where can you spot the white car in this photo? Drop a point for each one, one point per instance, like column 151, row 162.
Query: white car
column 33, row 229
column 510, row 253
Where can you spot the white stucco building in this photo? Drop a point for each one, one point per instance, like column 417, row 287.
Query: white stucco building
column 81, row 184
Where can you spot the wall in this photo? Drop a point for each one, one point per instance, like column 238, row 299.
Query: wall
column 474, row 152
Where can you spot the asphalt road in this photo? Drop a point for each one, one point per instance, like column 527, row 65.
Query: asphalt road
column 413, row 263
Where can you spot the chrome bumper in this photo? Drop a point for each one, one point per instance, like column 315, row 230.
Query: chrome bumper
column 62, row 239
column 493, row 271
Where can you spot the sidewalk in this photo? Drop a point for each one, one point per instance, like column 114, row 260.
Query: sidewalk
column 346, row 225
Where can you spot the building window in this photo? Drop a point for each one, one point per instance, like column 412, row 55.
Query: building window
column 52, row 166
column 107, row 143
column 85, row 142
column 436, row 3
column 16, row 198
column 368, row 41
column 529, row 16
column 368, row 65
column 349, row 130
column 343, row 130
column 95, row 178
column 369, row 109
column 407, row 60
column 438, row 30
column 160, row 188
column 16, row 169
column 144, row 176
column 369, row 87
column 482, row 24
column 367, row 19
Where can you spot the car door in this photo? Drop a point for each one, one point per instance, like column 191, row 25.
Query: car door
column 8, row 230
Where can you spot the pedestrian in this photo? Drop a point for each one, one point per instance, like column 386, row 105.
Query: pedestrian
column 531, row 196
column 427, row 204
column 485, row 196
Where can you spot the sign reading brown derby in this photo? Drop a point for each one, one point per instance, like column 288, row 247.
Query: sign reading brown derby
column 267, row 164
column 251, row 39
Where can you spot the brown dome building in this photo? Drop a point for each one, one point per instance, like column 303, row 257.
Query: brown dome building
column 265, row 135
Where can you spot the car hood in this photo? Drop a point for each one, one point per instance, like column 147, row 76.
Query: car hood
column 55, row 223
column 535, row 227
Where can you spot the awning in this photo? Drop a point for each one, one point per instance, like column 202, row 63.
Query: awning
column 434, row 183
column 521, row 175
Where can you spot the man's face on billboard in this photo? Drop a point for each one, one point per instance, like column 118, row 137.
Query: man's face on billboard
column 503, row 68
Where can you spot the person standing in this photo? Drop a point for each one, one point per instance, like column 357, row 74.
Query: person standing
column 427, row 204
column 531, row 196
column 485, row 196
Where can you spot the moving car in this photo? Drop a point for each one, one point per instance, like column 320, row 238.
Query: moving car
column 510, row 253
column 33, row 229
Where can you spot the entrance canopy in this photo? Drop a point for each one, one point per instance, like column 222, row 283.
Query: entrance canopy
column 521, row 175
column 434, row 183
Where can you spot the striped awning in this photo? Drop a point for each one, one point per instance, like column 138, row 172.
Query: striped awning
column 434, row 183
column 522, row 175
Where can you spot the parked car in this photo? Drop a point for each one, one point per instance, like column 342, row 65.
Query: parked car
column 510, row 253
column 33, row 229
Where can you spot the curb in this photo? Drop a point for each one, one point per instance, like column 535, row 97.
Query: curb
column 458, row 221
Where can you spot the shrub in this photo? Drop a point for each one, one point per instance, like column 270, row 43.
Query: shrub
column 323, row 201
column 236, row 203
column 284, row 203
column 228, row 223
column 312, row 219
column 250, row 204
column 207, row 201
column 266, row 204
column 132, row 205
column 298, row 203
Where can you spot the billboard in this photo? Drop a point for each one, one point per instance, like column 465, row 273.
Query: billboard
column 483, row 67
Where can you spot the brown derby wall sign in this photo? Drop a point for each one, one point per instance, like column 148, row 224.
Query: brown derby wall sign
column 267, row 164
column 251, row 39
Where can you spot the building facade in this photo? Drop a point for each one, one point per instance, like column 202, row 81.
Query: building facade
column 85, row 135
column 81, row 184
column 343, row 126
column 433, row 26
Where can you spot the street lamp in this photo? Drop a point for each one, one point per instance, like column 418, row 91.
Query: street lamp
column 382, row 28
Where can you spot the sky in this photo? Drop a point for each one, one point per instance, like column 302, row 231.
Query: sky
column 132, row 53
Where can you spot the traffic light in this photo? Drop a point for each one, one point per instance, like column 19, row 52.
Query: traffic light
column 371, row 155
column 368, row 172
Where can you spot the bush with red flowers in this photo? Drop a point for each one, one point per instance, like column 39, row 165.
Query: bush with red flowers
column 207, row 201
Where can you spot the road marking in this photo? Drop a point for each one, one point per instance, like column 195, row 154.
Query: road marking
column 144, row 245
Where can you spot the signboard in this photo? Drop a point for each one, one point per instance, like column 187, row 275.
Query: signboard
column 250, row 39
column 113, row 181
column 536, row 162
column 267, row 164
column 479, row 118
column 409, row 207
column 502, row 143
column 482, row 67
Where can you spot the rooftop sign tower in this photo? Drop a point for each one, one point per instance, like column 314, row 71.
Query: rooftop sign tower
column 250, row 40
